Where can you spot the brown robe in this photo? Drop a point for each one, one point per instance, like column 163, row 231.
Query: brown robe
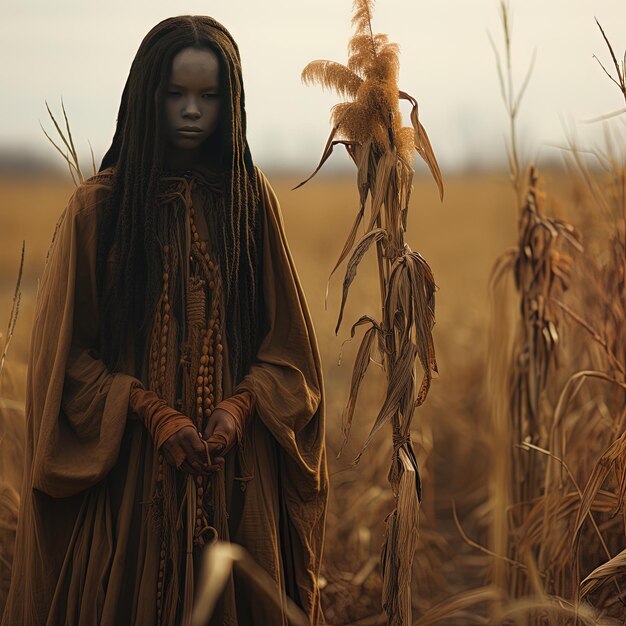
column 87, row 547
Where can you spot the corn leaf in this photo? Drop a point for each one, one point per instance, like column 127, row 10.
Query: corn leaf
column 361, row 248
column 614, row 567
column 361, row 363
column 422, row 143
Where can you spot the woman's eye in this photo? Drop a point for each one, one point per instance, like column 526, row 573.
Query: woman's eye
column 173, row 93
column 210, row 95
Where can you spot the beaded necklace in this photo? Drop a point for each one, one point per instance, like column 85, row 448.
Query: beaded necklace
column 189, row 374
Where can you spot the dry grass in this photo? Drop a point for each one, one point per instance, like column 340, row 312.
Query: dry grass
column 558, row 401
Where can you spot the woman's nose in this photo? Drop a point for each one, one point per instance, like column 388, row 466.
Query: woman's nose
column 191, row 109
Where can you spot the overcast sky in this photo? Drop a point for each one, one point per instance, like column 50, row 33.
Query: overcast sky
column 83, row 50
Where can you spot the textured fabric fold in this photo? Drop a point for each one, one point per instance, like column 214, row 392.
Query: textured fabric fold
column 287, row 383
column 75, row 409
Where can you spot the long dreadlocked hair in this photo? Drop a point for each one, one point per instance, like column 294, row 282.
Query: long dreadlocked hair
column 127, row 230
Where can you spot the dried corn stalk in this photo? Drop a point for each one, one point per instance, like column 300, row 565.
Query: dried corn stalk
column 541, row 266
column 369, row 125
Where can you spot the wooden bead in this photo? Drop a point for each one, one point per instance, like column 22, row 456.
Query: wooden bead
column 200, row 380
column 198, row 400
column 204, row 359
column 205, row 380
column 165, row 329
column 199, row 390
column 196, row 237
column 199, row 412
column 201, row 370
column 207, row 403
column 166, row 318
column 219, row 347
column 211, row 360
column 166, row 276
column 211, row 369
column 167, row 306
column 203, row 247
column 200, row 492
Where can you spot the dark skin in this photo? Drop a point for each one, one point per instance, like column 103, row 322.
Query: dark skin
column 193, row 102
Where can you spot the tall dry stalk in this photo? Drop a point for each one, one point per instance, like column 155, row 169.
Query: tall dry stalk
column 70, row 155
column 598, row 393
column 15, row 309
column 540, row 265
column 369, row 125
column 9, row 498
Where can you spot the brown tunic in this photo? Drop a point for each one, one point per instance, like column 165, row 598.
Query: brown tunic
column 88, row 542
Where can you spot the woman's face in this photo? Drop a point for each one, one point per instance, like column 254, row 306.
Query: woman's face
column 192, row 100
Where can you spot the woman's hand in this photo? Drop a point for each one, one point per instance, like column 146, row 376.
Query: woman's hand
column 187, row 451
column 220, row 434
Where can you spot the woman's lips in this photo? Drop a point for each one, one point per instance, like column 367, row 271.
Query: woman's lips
column 187, row 132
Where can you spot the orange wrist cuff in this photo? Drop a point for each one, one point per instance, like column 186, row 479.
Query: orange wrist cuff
column 161, row 420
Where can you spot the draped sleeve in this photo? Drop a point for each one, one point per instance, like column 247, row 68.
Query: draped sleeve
column 76, row 409
column 286, row 382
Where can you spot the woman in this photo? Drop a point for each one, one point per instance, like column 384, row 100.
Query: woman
column 175, row 392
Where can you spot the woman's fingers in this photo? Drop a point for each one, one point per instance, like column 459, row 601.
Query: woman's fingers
column 195, row 450
column 220, row 432
column 198, row 456
column 187, row 451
